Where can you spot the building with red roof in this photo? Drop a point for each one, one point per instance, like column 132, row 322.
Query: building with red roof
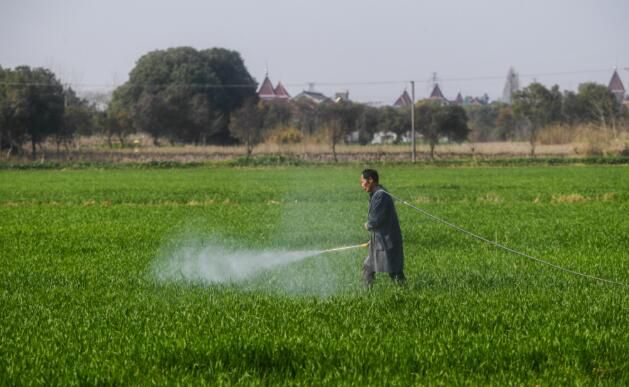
column 280, row 92
column 403, row 100
column 269, row 93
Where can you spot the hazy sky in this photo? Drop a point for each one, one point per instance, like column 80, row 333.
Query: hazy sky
column 346, row 43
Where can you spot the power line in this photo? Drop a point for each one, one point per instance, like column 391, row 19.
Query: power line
column 192, row 85
column 305, row 84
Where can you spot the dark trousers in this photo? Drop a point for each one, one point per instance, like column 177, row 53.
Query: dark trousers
column 369, row 276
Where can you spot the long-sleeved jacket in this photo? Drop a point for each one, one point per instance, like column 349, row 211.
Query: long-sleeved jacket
column 386, row 252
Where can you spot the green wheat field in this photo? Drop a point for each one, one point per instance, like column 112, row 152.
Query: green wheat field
column 84, row 300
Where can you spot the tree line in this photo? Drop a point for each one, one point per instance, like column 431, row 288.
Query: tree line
column 536, row 107
column 184, row 95
column 337, row 122
column 33, row 106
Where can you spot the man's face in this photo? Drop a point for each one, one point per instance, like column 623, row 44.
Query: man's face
column 367, row 184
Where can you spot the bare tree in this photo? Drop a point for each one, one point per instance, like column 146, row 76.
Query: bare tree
column 247, row 123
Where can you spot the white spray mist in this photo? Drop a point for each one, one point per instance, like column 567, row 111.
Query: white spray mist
column 215, row 263
column 204, row 261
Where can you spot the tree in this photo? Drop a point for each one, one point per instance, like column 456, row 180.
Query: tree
column 186, row 95
column 6, row 111
column 505, row 124
column 482, row 120
column 277, row 114
column 116, row 121
column 307, row 115
column 597, row 103
column 12, row 134
column 436, row 121
column 368, row 124
column 78, row 118
column 573, row 109
column 150, row 113
column 31, row 105
column 247, row 124
column 338, row 119
column 397, row 120
column 539, row 106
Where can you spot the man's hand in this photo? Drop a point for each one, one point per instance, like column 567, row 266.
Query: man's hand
column 366, row 226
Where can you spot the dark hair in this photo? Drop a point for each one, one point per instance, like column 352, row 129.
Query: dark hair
column 370, row 174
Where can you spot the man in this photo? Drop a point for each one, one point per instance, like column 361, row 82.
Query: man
column 386, row 254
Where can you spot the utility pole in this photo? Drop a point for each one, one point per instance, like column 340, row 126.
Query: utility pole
column 413, row 155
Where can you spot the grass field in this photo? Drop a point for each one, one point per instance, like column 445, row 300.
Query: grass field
column 80, row 301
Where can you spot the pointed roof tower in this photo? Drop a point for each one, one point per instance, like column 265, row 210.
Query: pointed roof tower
column 616, row 86
column 403, row 100
column 459, row 99
column 437, row 94
column 266, row 91
column 512, row 84
column 280, row 91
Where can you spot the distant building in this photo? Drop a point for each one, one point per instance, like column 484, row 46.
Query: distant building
column 384, row 137
column 269, row 93
column 407, row 136
column 403, row 100
column 266, row 91
column 312, row 96
column 616, row 87
column 512, row 84
column 437, row 95
column 476, row 101
column 342, row 96
column 459, row 99
column 280, row 92
column 353, row 137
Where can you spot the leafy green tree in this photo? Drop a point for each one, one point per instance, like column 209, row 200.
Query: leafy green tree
column 307, row 116
column 368, row 124
column 78, row 119
column 32, row 107
column 117, row 122
column 573, row 109
column 506, row 124
column 150, row 113
column 436, row 121
column 482, row 120
column 277, row 114
column 397, row 120
column 6, row 111
column 186, row 95
column 539, row 106
column 204, row 121
column 598, row 104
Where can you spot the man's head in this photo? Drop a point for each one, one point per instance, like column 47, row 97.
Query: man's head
column 369, row 180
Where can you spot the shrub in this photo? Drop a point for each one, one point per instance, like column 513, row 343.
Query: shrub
column 285, row 135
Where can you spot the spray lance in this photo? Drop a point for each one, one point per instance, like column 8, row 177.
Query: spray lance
column 344, row 248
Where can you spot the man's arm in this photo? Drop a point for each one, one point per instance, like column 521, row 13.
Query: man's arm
column 377, row 211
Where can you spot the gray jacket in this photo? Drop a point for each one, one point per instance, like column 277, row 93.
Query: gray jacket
column 386, row 253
